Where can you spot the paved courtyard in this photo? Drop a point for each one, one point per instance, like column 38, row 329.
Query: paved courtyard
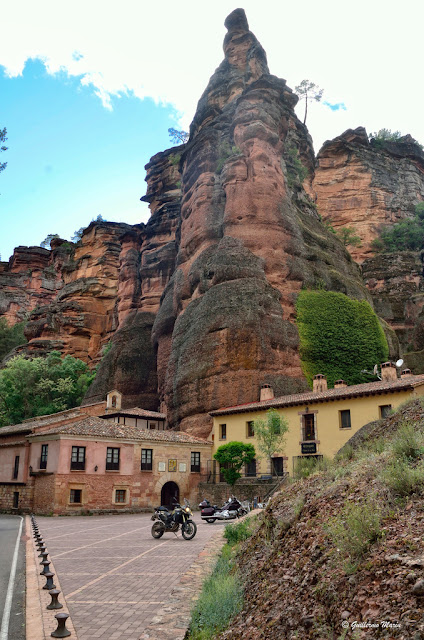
column 114, row 575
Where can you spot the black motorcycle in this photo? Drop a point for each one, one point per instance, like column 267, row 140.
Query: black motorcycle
column 166, row 520
column 229, row 511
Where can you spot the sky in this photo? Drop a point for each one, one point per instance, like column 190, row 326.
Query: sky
column 88, row 90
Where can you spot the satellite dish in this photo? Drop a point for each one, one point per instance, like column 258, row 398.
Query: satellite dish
column 399, row 363
column 375, row 370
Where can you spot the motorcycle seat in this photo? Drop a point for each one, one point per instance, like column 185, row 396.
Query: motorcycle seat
column 161, row 509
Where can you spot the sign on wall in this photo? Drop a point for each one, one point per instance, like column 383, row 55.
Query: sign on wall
column 172, row 465
column 309, row 447
column 161, row 466
column 182, row 467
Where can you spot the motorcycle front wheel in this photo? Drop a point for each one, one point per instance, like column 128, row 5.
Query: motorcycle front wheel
column 189, row 530
column 158, row 530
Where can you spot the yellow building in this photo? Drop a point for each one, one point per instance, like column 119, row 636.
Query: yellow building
column 320, row 421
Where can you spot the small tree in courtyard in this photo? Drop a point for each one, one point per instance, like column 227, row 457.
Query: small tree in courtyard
column 270, row 434
column 231, row 457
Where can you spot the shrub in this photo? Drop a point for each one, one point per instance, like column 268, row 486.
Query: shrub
column 402, row 479
column 304, row 467
column 338, row 336
column 407, row 442
column 225, row 151
column 407, row 235
column 237, row 532
column 296, row 171
column 10, row 337
column 356, row 528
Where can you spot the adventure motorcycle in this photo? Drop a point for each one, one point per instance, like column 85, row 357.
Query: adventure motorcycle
column 166, row 520
column 229, row 511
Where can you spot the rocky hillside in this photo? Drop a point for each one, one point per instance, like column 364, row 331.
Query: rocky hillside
column 343, row 546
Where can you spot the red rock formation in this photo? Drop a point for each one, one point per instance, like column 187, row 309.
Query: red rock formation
column 366, row 187
column 31, row 278
column 82, row 317
column 250, row 239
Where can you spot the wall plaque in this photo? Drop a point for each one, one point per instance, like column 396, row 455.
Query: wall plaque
column 182, row 467
column 161, row 466
column 309, row 447
column 172, row 465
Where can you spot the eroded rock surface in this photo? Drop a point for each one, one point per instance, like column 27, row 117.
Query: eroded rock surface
column 367, row 187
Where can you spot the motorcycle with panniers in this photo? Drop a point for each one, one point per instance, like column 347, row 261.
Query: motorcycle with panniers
column 171, row 521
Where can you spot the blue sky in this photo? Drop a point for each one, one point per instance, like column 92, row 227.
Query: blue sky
column 88, row 91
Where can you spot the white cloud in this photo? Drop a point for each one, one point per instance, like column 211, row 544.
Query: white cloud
column 365, row 55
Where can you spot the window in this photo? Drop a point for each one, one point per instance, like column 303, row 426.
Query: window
column 146, row 459
column 112, row 459
column 43, row 459
column 15, row 499
column 309, row 426
column 195, row 462
column 113, row 401
column 222, row 431
column 345, row 419
column 16, row 468
column 153, row 425
column 75, row 496
column 250, row 429
column 78, row 458
column 251, row 469
column 385, row 410
column 121, row 496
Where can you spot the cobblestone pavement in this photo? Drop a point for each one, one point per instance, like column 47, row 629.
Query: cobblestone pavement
column 115, row 576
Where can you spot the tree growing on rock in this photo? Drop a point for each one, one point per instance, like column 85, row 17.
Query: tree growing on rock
column 231, row 457
column 270, row 434
column 308, row 91
column 178, row 137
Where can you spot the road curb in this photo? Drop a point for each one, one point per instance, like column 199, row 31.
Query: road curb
column 40, row 621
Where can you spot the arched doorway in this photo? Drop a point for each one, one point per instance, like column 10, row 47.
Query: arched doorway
column 169, row 495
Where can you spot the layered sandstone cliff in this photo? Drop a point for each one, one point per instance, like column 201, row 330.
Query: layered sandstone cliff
column 249, row 239
column 365, row 186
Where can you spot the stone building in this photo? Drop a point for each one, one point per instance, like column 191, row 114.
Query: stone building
column 73, row 462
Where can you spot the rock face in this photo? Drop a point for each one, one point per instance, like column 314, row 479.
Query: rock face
column 82, row 316
column 30, row 279
column 249, row 239
column 362, row 185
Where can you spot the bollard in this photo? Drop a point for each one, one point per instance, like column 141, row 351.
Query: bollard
column 61, row 631
column 42, row 550
column 49, row 584
column 46, row 568
column 54, row 604
column 44, row 556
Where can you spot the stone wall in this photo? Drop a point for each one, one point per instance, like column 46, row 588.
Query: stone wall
column 25, row 502
column 244, row 489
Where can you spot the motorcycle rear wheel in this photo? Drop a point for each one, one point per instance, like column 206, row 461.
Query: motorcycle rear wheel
column 210, row 520
column 158, row 530
column 189, row 529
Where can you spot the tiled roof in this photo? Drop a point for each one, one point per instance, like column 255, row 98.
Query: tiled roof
column 94, row 426
column 136, row 412
column 353, row 391
column 41, row 421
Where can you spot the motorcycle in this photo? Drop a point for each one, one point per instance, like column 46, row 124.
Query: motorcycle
column 166, row 520
column 229, row 511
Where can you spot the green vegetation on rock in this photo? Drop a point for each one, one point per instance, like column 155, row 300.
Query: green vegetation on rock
column 338, row 336
column 10, row 337
column 41, row 386
column 407, row 235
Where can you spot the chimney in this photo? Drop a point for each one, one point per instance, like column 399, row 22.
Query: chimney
column 267, row 393
column 340, row 383
column 406, row 373
column 320, row 383
column 388, row 372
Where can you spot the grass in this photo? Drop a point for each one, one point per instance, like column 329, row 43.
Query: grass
column 407, row 443
column 221, row 597
column 403, row 479
column 235, row 533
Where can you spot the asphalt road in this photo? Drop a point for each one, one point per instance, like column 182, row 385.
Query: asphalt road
column 9, row 529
